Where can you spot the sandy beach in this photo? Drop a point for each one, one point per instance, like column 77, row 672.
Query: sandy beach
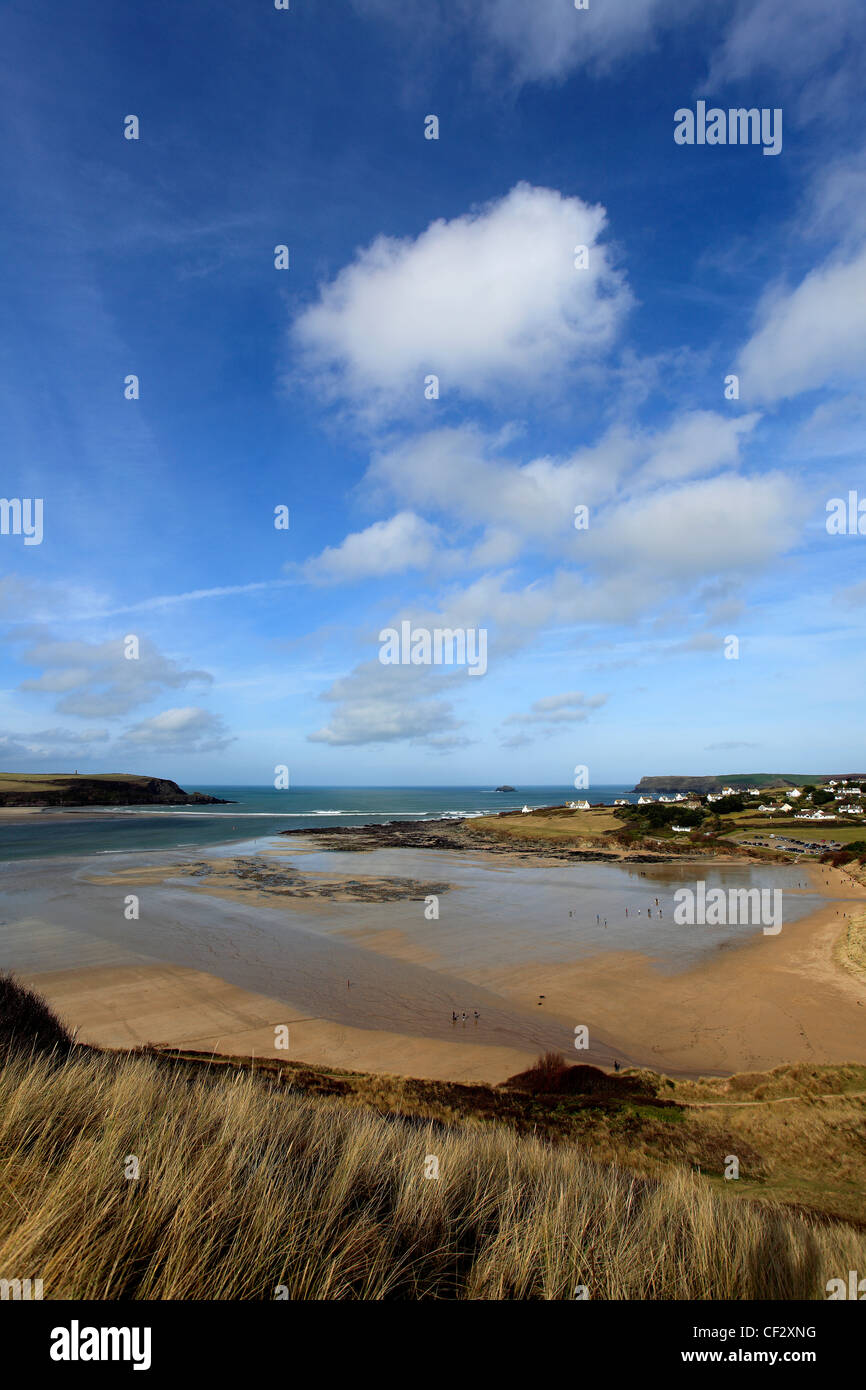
column 228, row 949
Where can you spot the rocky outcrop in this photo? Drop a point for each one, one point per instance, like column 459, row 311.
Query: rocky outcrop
column 64, row 790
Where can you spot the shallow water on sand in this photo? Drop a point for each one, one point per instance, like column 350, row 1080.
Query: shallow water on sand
column 507, row 912
column 383, row 967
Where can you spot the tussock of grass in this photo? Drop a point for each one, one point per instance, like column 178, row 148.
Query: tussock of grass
column 27, row 1023
column 245, row 1186
column 795, row 1080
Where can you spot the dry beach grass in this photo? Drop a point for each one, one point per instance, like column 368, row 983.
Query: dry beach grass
column 245, row 1186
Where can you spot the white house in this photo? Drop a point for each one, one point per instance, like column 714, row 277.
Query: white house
column 644, row 800
column 768, row 810
column 681, row 829
column 581, row 806
column 795, row 793
column 786, row 806
column 621, row 801
column 851, row 810
column 525, row 811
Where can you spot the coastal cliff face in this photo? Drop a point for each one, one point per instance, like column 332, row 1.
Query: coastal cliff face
column 66, row 790
column 679, row 784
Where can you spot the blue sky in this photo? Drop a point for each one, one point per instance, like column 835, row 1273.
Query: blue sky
column 559, row 386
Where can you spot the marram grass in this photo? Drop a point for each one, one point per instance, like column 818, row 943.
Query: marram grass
column 245, row 1189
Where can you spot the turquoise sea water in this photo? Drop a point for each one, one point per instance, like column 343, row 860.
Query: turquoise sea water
column 258, row 812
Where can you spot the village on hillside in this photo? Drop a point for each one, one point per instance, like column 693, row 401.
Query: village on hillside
column 822, row 817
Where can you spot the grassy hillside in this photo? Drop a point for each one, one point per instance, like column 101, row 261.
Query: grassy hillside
column 547, row 825
column 324, row 1184
column 714, row 783
column 245, row 1188
column 93, row 789
column 600, row 831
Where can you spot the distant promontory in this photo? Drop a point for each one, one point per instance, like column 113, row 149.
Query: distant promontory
column 738, row 780
column 97, row 789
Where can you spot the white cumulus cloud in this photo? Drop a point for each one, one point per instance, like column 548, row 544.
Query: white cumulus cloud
column 809, row 337
column 488, row 300
column 403, row 542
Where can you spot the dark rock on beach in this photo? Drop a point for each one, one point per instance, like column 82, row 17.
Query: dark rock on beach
column 440, row 834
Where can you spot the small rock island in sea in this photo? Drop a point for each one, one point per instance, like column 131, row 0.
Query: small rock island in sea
column 96, row 789
column 505, row 789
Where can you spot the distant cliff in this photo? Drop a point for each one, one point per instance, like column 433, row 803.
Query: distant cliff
column 64, row 789
column 679, row 784
column 738, row 780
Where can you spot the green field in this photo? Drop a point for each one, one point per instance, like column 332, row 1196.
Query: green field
column 748, row 826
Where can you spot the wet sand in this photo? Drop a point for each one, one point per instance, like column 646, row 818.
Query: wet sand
column 756, row 1006
column 217, row 962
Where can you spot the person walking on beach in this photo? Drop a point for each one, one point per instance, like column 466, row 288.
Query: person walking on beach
column 477, row 1015
column 464, row 1015
column 453, row 1016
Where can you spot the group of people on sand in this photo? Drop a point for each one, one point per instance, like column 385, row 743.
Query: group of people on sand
column 603, row 923
column 454, row 1016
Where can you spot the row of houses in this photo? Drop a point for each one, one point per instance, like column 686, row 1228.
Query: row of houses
column 767, row 809
column 650, row 800
column 732, row 791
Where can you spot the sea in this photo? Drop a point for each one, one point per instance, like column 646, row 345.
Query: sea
column 256, row 813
